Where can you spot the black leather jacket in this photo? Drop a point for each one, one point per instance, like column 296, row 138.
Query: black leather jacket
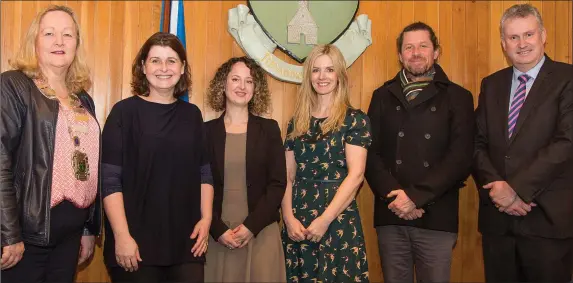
column 27, row 137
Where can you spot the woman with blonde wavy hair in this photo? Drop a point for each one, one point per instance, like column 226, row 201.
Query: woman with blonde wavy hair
column 49, row 154
column 326, row 148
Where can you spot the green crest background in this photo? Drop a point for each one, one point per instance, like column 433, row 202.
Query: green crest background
column 332, row 18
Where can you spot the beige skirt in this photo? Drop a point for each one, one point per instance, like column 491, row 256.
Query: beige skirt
column 261, row 260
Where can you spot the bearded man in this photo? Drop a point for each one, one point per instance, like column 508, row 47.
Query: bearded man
column 421, row 154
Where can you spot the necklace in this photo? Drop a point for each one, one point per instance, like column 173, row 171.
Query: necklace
column 77, row 126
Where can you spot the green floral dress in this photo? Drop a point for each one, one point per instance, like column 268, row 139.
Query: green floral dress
column 340, row 256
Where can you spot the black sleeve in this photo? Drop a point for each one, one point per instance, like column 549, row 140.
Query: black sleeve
column 483, row 170
column 377, row 175
column 112, row 153
column 206, row 175
column 12, row 115
column 203, row 142
column 111, row 178
column 269, row 203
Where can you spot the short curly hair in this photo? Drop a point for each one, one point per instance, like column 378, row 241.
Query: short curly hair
column 261, row 101
column 139, row 82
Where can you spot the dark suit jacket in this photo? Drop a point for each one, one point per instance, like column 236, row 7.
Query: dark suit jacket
column 266, row 172
column 424, row 147
column 537, row 161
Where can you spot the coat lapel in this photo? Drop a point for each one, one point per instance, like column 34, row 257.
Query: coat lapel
column 253, row 132
column 396, row 89
column 503, row 92
column 220, row 137
column 533, row 97
column 428, row 92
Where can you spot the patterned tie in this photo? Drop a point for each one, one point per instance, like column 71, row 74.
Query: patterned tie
column 517, row 103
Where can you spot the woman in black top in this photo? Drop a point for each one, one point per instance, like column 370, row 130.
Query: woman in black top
column 158, row 189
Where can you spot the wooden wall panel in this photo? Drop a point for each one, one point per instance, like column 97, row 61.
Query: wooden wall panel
column 468, row 32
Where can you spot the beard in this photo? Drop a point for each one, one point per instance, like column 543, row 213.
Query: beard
column 418, row 70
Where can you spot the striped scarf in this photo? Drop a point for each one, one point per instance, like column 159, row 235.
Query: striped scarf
column 410, row 88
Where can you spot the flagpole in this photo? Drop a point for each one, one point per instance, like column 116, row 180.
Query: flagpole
column 166, row 15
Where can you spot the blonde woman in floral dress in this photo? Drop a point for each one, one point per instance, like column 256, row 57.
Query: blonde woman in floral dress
column 326, row 148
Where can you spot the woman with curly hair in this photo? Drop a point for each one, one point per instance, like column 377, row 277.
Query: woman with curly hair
column 249, row 176
column 326, row 146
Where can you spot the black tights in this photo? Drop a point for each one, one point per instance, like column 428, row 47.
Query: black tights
column 187, row 272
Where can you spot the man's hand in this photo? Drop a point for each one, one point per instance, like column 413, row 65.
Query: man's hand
column 402, row 204
column 415, row 214
column 517, row 208
column 501, row 193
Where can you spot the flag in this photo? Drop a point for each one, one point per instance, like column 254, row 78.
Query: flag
column 173, row 21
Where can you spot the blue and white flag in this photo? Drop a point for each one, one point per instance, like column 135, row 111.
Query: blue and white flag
column 176, row 23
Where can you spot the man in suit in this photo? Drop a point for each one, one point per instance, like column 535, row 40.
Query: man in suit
column 523, row 161
column 421, row 154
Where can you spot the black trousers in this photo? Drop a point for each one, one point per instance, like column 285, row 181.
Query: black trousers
column 514, row 258
column 57, row 261
column 187, row 272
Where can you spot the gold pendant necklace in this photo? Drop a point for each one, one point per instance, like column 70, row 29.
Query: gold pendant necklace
column 79, row 158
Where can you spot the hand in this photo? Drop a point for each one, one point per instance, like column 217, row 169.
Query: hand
column 402, row 204
column 414, row 214
column 201, row 233
column 295, row 229
column 12, row 254
column 501, row 193
column 518, row 208
column 316, row 229
column 86, row 248
column 242, row 235
column 228, row 240
column 127, row 253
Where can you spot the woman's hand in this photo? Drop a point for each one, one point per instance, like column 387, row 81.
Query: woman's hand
column 317, row 228
column 295, row 229
column 242, row 235
column 127, row 253
column 12, row 254
column 201, row 233
column 228, row 240
column 87, row 244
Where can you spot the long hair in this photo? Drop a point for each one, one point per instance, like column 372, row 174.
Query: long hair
column 26, row 60
column 308, row 98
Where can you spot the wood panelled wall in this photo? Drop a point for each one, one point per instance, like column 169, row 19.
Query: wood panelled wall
column 468, row 31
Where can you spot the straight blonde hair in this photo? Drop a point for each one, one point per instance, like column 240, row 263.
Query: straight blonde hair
column 308, row 98
column 26, row 60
